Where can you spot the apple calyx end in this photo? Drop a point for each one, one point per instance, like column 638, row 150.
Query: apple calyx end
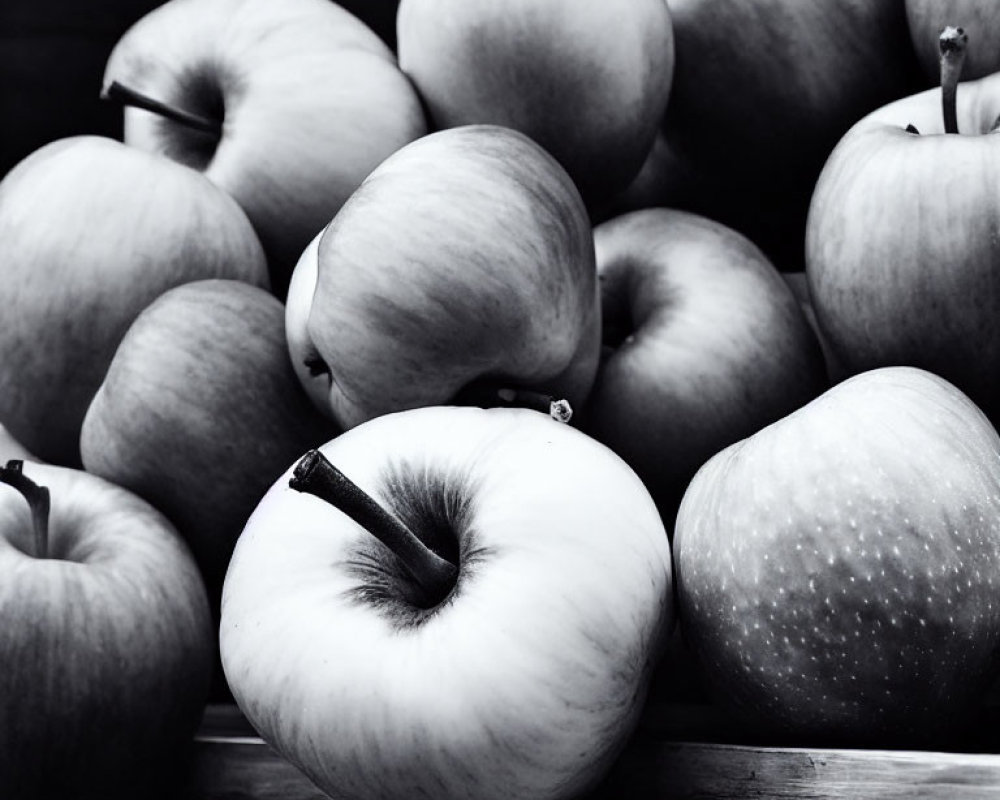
column 39, row 501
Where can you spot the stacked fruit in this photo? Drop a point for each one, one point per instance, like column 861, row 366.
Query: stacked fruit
column 602, row 315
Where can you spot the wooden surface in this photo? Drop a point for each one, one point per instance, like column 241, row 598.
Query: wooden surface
column 230, row 763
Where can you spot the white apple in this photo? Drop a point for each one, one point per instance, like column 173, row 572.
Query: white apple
column 106, row 647
column 92, row 232
column 299, row 99
column 464, row 263
column 518, row 669
column 588, row 81
column 704, row 344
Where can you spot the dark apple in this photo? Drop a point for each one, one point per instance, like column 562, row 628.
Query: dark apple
column 588, row 81
column 980, row 19
column 704, row 344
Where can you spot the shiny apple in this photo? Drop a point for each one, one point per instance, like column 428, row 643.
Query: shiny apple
column 463, row 266
column 481, row 619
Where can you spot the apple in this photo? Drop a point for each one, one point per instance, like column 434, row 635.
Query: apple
column 199, row 412
column 287, row 106
column 481, row 618
column 837, row 571
column 462, row 266
column 764, row 88
column 979, row 18
column 106, row 644
column 93, row 231
column 704, row 344
column 589, row 82
column 762, row 91
column 901, row 243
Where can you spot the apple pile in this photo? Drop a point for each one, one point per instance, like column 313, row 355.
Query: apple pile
column 409, row 370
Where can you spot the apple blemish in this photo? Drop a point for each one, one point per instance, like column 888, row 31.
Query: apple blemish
column 38, row 500
column 434, row 576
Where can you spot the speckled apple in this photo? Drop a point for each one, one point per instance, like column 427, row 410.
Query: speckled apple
column 838, row 572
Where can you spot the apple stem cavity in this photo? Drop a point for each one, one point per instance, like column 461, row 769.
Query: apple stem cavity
column 130, row 97
column 315, row 474
column 952, row 44
column 38, row 501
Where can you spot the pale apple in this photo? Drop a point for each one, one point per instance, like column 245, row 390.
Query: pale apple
column 902, row 243
column 462, row 266
column 504, row 652
column 92, row 232
column 106, row 645
column 285, row 105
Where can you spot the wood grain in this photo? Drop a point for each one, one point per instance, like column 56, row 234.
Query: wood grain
column 231, row 763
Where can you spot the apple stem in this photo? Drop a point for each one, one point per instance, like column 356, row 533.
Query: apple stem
column 316, row 475
column 952, row 45
column 509, row 397
column 38, row 501
column 131, row 97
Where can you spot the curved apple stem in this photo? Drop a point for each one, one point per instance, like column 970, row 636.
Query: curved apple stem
column 316, row 475
column 130, row 97
column 38, row 501
column 952, row 45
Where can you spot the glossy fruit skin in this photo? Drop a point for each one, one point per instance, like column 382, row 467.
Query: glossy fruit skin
column 310, row 98
column 837, row 571
column 588, row 82
column 106, row 645
column 93, row 231
column 524, row 682
column 980, row 19
column 704, row 345
column 901, row 247
column 465, row 258
column 199, row 412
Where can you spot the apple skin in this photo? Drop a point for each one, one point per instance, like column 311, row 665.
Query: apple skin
column 588, row 82
column 901, row 243
column 93, row 231
column 313, row 100
column 200, row 411
column 524, row 682
column 106, row 645
column 704, row 345
column 764, row 89
column 980, row 19
column 837, row 571
column 465, row 258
